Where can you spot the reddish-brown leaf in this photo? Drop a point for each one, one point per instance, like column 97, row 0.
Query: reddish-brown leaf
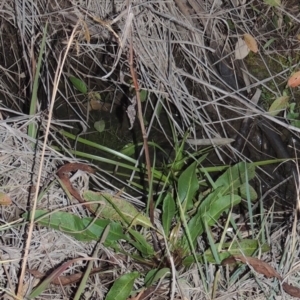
column 294, row 80
column 291, row 290
column 63, row 280
column 63, row 174
column 263, row 268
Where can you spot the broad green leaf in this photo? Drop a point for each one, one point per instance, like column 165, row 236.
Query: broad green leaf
column 245, row 247
column 78, row 84
column 209, row 211
column 98, row 226
column 212, row 208
column 155, row 275
column 140, row 243
column 188, row 186
column 64, row 222
column 235, row 176
column 244, row 188
column 83, row 229
column 99, row 125
column 278, row 105
column 116, row 209
column 122, row 287
column 272, row 2
column 168, row 212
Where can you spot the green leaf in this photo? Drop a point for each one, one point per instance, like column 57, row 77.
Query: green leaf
column 143, row 95
column 246, row 247
column 278, row 105
column 82, row 229
column 32, row 126
column 78, row 84
column 220, row 199
column 168, row 213
column 247, row 187
column 155, row 275
column 99, row 125
column 98, row 226
column 129, row 149
column 235, row 176
column 212, row 207
column 64, row 222
column 209, row 211
column 122, row 287
column 188, row 186
column 116, row 208
column 141, row 244
column 273, row 2
column 269, row 42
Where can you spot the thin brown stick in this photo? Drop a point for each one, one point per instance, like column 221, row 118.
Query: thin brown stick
column 145, row 137
column 33, row 209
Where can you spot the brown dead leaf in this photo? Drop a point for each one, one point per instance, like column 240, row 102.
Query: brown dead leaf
column 251, row 42
column 5, row 199
column 259, row 266
column 294, row 80
column 63, row 280
column 63, row 174
column 96, row 104
column 263, row 268
column 99, row 105
column 86, row 32
column 291, row 290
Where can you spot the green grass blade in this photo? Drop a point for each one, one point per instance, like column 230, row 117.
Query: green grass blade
column 32, row 128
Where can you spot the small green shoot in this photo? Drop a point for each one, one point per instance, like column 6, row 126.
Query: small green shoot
column 32, row 127
column 293, row 116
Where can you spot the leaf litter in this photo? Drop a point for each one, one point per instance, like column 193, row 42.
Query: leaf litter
column 18, row 157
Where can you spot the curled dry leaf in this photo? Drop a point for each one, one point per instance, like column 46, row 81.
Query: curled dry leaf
column 251, row 42
column 263, row 268
column 294, row 80
column 63, row 174
column 5, row 199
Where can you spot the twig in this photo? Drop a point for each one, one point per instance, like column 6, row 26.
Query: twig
column 143, row 129
column 31, row 225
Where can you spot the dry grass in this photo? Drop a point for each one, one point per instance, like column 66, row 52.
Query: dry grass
column 179, row 46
